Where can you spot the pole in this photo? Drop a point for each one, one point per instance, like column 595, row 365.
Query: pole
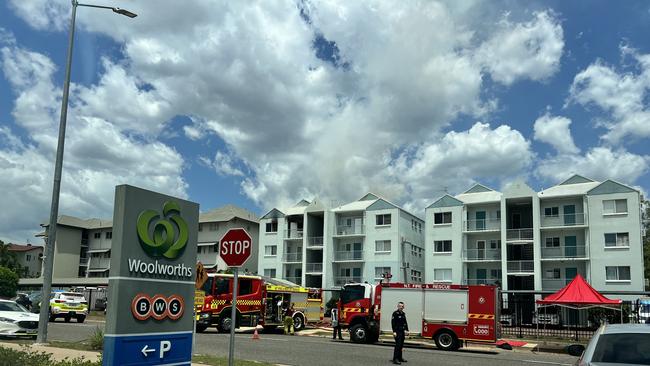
column 233, row 318
column 56, row 189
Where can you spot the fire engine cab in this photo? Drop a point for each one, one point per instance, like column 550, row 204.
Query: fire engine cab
column 259, row 301
column 448, row 314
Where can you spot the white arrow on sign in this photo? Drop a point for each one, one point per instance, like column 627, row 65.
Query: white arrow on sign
column 145, row 350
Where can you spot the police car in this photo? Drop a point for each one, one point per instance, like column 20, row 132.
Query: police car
column 68, row 305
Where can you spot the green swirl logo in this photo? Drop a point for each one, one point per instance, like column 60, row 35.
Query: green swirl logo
column 169, row 232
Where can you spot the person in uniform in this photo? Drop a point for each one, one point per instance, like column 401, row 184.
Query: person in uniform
column 400, row 330
column 288, row 320
column 336, row 325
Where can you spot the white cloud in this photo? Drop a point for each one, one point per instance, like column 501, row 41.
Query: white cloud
column 224, row 164
column 43, row 15
column 554, row 130
column 529, row 50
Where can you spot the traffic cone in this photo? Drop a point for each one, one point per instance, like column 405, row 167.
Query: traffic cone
column 256, row 335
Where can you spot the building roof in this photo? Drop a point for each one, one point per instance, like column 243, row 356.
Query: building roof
column 354, row 206
column 562, row 190
column 22, row 248
column 479, row 197
column 227, row 213
column 575, row 179
column 72, row 221
column 446, row 201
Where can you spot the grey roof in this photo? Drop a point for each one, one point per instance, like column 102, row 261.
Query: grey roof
column 446, row 201
column 368, row 197
column 81, row 223
column 609, row 186
column 273, row 214
column 573, row 189
column 576, row 179
column 302, row 203
column 478, row 188
column 227, row 213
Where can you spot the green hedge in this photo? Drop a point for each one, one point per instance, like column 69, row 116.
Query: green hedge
column 12, row 357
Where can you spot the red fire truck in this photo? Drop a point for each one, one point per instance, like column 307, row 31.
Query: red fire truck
column 448, row 314
column 259, row 301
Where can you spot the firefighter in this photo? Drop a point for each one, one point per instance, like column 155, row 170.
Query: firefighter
column 288, row 320
column 336, row 324
column 400, row 330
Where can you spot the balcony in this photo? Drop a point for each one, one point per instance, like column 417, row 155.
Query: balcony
column 554, row 284
column 565, row 252
column 521, row 266
column 349, row 230
column 566, row 220
column 315, row 242
column 480, row 255
column 293, row 234
column 519, row 235
column 480, row 281
column 342, row 280
column 314, row 268
column 348, row 255
column 295, row 257
column 84, row 261
column 482, row 225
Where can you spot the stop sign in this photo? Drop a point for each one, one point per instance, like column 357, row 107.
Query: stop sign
column 235, row 247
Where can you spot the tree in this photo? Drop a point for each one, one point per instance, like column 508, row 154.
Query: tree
column 8, row 282
column 8, row 259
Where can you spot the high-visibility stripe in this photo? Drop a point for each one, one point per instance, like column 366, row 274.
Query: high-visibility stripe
column 481, row 316
column 351, row 310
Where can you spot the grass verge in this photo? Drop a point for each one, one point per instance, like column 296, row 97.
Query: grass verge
column 223, row 361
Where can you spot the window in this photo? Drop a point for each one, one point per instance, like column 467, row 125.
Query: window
column 269, row 272
column 552, row 242
column 614, row 206
column 442, row 275
column 442, row 246
column 109, row 235
column 200, row 227
column 245, row 286
column 223, row 286
column 495, row 243
column 617, row 240
column 495, row 273
column 207, row 286
column 553, row 273
column 381, row 272
column 270, row 250
column 272, row 227
column 498, row 214
column 383, row 219
column 213, row 226
column 441, row 218
column 419, row 227
column 551, row 212
column 382, row 246
column 97, row 235
column 416, row 276
column 620, row 273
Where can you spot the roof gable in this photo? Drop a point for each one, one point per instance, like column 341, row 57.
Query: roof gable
column 609, row 186
column 302, row 203
column 446, row 201
column 369, row 197
column 273, row 214
column 381, row 204
column 478, row 188
column 576, row 179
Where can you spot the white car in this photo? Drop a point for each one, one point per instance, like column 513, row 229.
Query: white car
column 15, row 320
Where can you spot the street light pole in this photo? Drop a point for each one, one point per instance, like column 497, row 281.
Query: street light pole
column 50, row 235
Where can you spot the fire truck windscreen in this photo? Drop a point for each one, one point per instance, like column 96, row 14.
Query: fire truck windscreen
column 352, row 293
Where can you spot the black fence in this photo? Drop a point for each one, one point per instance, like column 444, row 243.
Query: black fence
column 521, row 318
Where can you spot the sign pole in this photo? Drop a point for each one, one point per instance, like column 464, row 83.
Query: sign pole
column 233, row 318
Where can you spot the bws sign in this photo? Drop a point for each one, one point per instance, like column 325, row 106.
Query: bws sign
column 157, row 307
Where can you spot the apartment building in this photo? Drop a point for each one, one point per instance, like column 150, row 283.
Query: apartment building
column 527, row 240
column 30, row 257
column 83, row 250
column 363, row 241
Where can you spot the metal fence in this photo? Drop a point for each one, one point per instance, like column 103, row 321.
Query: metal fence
column 521, row 317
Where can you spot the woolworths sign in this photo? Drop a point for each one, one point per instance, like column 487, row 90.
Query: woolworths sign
column 151, row 283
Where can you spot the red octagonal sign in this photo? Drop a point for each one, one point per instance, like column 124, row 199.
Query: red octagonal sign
column 235, row 247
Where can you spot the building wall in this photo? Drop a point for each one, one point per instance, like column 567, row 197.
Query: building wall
column 212, row 232
column 376, row 233
column 66, row 252
column 267, row 239
column 31, row 261
column 438, row 232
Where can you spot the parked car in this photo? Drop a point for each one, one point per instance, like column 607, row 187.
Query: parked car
column 616, row 344
column 68, row 305
column 23, row 300
column 15, row 320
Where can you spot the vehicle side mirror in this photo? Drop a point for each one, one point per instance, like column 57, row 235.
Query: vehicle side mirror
column 575, row 350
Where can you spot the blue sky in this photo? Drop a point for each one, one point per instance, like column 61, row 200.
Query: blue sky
column 261, row 104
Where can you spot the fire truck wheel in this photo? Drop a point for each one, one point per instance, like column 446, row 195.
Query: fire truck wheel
column 359, row 333
column 224, row 324
column 201, row 328
column 298, row 323
column 446, row 340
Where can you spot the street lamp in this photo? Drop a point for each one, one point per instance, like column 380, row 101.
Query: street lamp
column 56, row 188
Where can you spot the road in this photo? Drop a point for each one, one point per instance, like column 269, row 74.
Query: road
column 316, row 351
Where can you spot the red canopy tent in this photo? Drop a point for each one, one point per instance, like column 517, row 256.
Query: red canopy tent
column 579, row 294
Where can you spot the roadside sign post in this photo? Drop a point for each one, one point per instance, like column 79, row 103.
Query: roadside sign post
column 235, row 248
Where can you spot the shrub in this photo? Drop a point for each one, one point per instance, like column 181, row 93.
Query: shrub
column 96, row 340
column 12, row 357
column 8, row 282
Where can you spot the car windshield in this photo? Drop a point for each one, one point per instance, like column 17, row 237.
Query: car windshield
column 625, row 348
column 11, row 306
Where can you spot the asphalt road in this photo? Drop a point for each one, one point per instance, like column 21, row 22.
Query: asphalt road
column 316, row 351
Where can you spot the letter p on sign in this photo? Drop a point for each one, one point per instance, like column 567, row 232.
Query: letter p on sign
column 235, row 247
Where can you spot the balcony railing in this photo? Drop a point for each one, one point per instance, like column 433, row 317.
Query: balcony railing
column 341, row 280
column 554, row 284
column 293, row 234
column 521, row 266
column 350, row 230
column 296, row 280
column 563, row 251
column 292, row 257
column 482, row 225
column 84, row 261
column 482, row 254
column 481, row 281
column 519, row 234
column 314, row 268
column 315, row 241
column 574, row 219
column 348, row 255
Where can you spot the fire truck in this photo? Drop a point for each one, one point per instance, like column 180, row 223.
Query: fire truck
column 259, row 302
column 448, row 314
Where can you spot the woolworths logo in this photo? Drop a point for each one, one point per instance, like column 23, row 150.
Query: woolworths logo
column 163, row 236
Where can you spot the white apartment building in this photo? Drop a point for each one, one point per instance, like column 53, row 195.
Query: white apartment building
column 30, row 257
column 82, row 254
column 527, row 240
column 362, row 241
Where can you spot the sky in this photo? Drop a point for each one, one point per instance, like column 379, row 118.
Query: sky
column 263, row 103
